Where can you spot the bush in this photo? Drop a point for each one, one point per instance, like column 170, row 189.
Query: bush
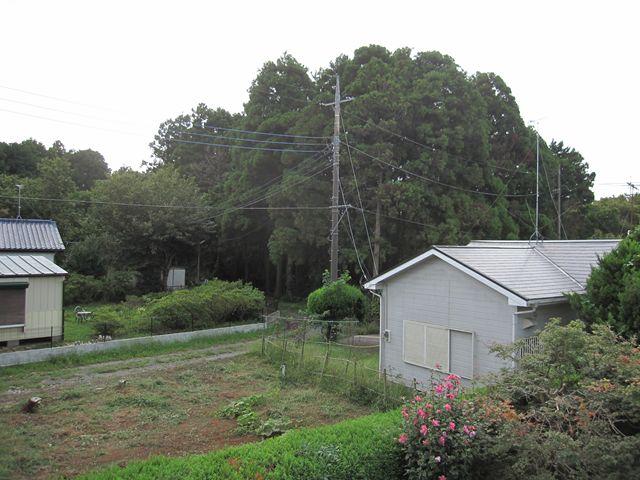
column 337, row 300
column 439, row 432
column 79, row 289
column 364, row 448
column 613, row 289
column 113, row 287
column 207, row 305
column 578, row 401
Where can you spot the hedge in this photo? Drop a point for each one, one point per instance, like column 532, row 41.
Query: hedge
column 208, row 305
column 364, row 448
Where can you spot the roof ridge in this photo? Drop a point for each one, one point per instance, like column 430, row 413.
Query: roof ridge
column 535, row 249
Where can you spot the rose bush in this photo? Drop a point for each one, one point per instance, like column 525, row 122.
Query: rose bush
column 438, row 432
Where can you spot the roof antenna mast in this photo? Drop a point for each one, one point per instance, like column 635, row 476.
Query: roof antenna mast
column 536, row 234
column 19, row 187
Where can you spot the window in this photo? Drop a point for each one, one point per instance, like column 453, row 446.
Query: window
column 12, row 304
column 438, row 348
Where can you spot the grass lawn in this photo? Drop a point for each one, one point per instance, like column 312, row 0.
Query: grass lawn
column 168, row 405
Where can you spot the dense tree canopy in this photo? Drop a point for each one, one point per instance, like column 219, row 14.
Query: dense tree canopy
column 430, row 154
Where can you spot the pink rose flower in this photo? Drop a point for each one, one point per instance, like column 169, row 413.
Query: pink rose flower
column 442, row 440
column 447, row 407
column 435, row 423
column 403, row 439
column 442, row 477
column 452, row 426
column 421, row 413
column 424, row 430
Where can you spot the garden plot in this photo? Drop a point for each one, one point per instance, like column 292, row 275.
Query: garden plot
column 172, row 404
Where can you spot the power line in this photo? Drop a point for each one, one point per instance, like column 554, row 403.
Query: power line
column 430, row 147
column 555, row 206
column 269, row 134
column 251, row 139
column 58, row 99
column 72, row 123
column 355, row 179
column 400, row 219
column 437, row 182
column 351, row 235
column 181, row 207
column 267, row 149
column 64, row 111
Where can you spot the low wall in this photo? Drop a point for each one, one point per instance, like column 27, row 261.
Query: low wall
column 39, row 355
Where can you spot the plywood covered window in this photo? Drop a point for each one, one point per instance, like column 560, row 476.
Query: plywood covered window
column 426, row 345
column 438, row 348
column 12, row 304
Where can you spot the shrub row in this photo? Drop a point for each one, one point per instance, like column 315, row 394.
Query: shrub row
column 207, row 305
column 364, row 448
column 112, row 287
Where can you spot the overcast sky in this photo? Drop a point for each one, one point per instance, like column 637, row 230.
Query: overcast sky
column 130, row 65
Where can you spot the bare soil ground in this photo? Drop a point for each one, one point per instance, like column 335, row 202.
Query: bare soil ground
column 167, row 405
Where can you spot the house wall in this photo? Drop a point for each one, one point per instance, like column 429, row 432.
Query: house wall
column 436, row 293
column 43, row 309
column 541, row 316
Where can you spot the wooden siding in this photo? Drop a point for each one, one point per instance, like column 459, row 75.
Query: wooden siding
column 43, row 309
column 436, row 293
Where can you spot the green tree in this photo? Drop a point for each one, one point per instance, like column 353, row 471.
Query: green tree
column 151, row 238
column 613, row 289
column 87, row 166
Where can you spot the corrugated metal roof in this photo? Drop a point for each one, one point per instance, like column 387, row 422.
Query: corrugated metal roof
column 546, row 270
column 28, row 266
column 29, row 235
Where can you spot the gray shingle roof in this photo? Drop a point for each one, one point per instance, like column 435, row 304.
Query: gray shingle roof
column 29, row 235
column 28, row 266
column 546, row 270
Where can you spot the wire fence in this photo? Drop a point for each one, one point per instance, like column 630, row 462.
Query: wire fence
column 331, row 355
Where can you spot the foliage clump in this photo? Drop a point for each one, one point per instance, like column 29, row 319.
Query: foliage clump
column 578, row 407
column 112, row 287
column 613, row 289
column 337, row 300
column 214, row 303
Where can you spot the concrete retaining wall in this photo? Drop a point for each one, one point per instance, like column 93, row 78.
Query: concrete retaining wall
column 39, row 355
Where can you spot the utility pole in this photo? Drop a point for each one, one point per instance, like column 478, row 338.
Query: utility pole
column 336, row 179
column 559, row 204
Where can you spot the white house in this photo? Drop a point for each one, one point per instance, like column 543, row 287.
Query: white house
column 30, row 281
column 443, row 310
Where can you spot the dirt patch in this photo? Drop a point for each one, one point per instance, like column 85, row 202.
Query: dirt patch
column 167, row 406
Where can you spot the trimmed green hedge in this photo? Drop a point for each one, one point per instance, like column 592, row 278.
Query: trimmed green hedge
column 208, row 305
column 364, row 448
column 337, row 300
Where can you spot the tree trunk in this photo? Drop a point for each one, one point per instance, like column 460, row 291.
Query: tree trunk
column 245, row 270
column 278, row 292
column 267, row 274
column 290, row 278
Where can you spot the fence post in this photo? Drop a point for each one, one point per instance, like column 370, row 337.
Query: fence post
column 51, row 336
column 384, row 391
column 355, row 378
column 264, row 327
column 326, row 361
column 304, row 339
column 414, row 383
column 152, row 326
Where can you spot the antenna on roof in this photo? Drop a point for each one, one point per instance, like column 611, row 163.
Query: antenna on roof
column 19, row 187
column 536, row 234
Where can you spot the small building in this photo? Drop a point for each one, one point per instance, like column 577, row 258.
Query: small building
column 442, row 311
column 30, row 281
